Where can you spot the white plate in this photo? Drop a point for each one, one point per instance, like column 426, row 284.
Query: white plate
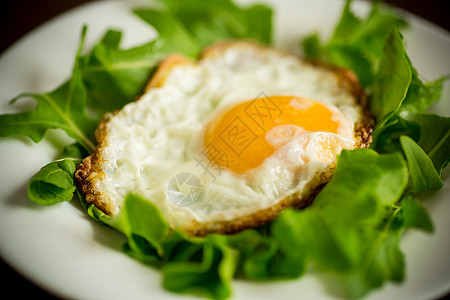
column 62, row 250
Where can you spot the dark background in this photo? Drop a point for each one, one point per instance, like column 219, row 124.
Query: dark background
column 18, row 17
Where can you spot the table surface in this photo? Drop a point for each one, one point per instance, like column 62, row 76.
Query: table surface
column 15, row 22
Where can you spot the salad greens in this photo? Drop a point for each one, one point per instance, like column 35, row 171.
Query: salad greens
column 64, row 108
column 353, row 228
column 55, row 182
column 356, row 43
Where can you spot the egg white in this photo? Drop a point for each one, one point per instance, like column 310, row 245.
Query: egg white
column 152, row 140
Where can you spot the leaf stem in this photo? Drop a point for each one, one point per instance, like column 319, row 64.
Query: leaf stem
column 368, row 261
column 82, row 138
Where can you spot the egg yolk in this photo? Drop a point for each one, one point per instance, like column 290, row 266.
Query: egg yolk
column 242, row 137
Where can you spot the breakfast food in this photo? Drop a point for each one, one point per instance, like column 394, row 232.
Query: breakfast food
column 230, row 141
column 227, row 142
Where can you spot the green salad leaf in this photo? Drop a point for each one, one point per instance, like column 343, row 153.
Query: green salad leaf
column 415, row 215
column 132, row 222
column 260, row 257
column 392, row 79
column 356, row 44
column 421, row 96
column 55, row 182
column 202, row 266
column 430, row 131
column 424, row 176
column 193, row 24
column 113, row 76
column 382, row 260
column 351, row 228
column 64, row 108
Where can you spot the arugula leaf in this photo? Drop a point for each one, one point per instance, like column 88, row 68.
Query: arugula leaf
column 310, row 235
column 172, row 33
column 54, row 183
column 430, row 131
column 74, row 151
column 351, row 228
column 205, row 269
column 382, row 259
column 113, row 77
column 209, row 21
column 347, row 26
column 393, row 78
column 154, row 230
column 420, row 95
column 63, row 109
column 259, row 23
column 356, row 43
column 434, row 137
column 260, row 256
column 373, row 48
column 188, row 27
column 311, row 46
column 415, row 215
column 203, row 266
column 423, row 175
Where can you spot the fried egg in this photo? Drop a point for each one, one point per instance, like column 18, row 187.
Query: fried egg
column 227, row 142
